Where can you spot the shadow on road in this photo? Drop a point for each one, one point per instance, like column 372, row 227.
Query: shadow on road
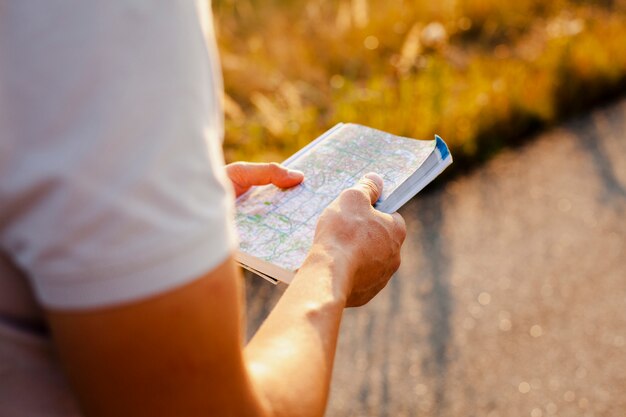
column 438, row 303
column 591, row 137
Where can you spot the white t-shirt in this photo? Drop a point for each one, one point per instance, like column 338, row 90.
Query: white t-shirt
column 111, row 179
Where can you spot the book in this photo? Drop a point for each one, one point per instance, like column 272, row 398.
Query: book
column 276, row 226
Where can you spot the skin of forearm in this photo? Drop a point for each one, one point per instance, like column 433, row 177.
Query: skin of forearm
column 290, row 358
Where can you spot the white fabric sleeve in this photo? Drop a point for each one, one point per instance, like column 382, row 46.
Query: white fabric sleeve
column 111, row 168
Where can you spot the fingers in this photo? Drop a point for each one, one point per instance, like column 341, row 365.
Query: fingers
column 372, row 185
column 246, row 174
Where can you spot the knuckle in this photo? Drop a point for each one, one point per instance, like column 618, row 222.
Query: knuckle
column 370, row 186
column 351, row 195
column 402, row 233
column 401, row 221
column 368, row 183
column 350, row 192
column 275, row 168
column 336, row 222
column 396, row 262
column 400, row 227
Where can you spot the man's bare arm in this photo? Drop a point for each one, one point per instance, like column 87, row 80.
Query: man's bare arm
column 181, row 353
column 355, row 252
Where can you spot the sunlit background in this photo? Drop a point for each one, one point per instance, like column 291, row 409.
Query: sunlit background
column 481, row 73
column 511, row 297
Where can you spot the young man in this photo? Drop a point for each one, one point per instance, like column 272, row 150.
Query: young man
column 116, row 233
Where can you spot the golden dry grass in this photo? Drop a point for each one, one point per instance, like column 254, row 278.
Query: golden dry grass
column 481, row 73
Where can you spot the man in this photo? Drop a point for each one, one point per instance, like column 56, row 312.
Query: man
column 116, row 236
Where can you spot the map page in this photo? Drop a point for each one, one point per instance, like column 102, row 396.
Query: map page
column 277, row 226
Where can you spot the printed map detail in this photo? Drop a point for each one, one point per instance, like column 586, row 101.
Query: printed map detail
column 278, row 225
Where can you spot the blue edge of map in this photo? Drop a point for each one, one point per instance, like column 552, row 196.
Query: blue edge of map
column 442, row 147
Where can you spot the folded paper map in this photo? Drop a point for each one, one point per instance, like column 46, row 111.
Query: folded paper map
column 276, row 226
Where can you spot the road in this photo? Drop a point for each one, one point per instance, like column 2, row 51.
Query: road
column 511, row 298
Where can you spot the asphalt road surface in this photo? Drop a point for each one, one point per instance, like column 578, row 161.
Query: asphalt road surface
column 511, row 298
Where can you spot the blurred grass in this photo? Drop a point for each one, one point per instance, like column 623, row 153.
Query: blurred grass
column 481, row 73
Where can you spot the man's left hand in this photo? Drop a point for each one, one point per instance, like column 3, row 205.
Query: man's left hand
column 244, row 175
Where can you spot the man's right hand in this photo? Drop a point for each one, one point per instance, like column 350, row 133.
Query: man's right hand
column 365, row 241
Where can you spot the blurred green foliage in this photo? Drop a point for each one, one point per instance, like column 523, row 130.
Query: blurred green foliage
column 481, row 73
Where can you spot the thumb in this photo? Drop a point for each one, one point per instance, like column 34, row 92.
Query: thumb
column 372, row 185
